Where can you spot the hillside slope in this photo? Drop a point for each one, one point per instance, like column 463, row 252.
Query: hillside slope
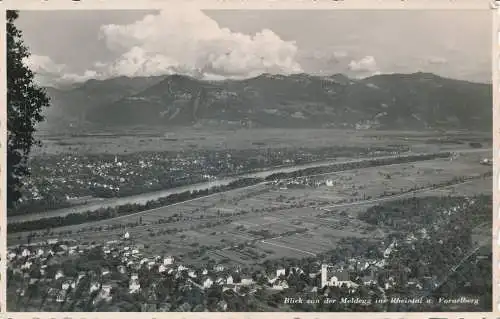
column 391, row 101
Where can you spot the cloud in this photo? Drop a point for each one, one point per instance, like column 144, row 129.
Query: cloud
column 49, row 73
column 42, row 64
column 180, row 41
column 189, row 40
column 366, row 66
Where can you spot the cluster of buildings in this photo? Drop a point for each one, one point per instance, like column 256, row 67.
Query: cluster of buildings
column 42, row 263
column 96, row 176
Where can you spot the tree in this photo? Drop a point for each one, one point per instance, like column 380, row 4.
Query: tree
column 25, row 101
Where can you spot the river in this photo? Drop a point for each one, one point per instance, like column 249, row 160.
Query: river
column 144, row 198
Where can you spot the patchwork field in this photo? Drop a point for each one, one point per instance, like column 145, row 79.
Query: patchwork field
column 177, row 139
column 271, row 222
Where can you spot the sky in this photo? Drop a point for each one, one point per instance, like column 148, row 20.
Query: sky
column 73, row 46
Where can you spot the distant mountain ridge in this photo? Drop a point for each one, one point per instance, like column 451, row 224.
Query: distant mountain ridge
column 389, row 101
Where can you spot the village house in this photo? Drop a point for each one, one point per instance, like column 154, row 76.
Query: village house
column 331, row 277
column 105, row 272
column 207, row 283
column 134, row 286
column 105, row 293
column 59, row 274
column 219, row 268
column 280, row 272
column 168, row 260
column 369, row 280
column 246, row 281
column 280, row 285
column 388, row 250
column 94, row 286
column 26, row 265
column 25, row 252
column 61, row 296
column 66, row 285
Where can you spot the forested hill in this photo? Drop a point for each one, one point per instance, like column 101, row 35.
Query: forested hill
column 390, row 101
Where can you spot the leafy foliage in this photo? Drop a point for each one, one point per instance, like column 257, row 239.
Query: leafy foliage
column 25, row 101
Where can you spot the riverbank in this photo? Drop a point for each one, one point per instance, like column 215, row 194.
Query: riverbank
column 128, row 209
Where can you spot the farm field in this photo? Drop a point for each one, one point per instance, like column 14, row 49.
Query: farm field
column 178, row 139
column 247, row 227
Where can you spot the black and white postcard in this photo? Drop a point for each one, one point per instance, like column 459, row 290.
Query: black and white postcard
column 184, row 159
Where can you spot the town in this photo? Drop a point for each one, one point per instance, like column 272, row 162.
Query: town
column 67, row 276
column 94, row 177
column 374, row 246
column 204, row 160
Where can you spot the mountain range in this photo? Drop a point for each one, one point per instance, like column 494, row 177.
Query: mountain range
column 388, row 101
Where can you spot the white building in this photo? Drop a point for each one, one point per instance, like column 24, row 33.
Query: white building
column 246, row 281
column 335, row 278
column 168, row 260
column 65, row 286
column 59, row 274
column 25, row 253
column 26, row 265
column 280, row 285
column 280, row 272
column 61, row 296
column 219, row 268
column 94, row 286
column 388, row 251
column 133, row 287
column 207, row 283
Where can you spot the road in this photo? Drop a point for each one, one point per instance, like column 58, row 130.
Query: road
column 362, row 202
column 386, row 198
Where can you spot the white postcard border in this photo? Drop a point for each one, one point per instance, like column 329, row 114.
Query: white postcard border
column 270, row 5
